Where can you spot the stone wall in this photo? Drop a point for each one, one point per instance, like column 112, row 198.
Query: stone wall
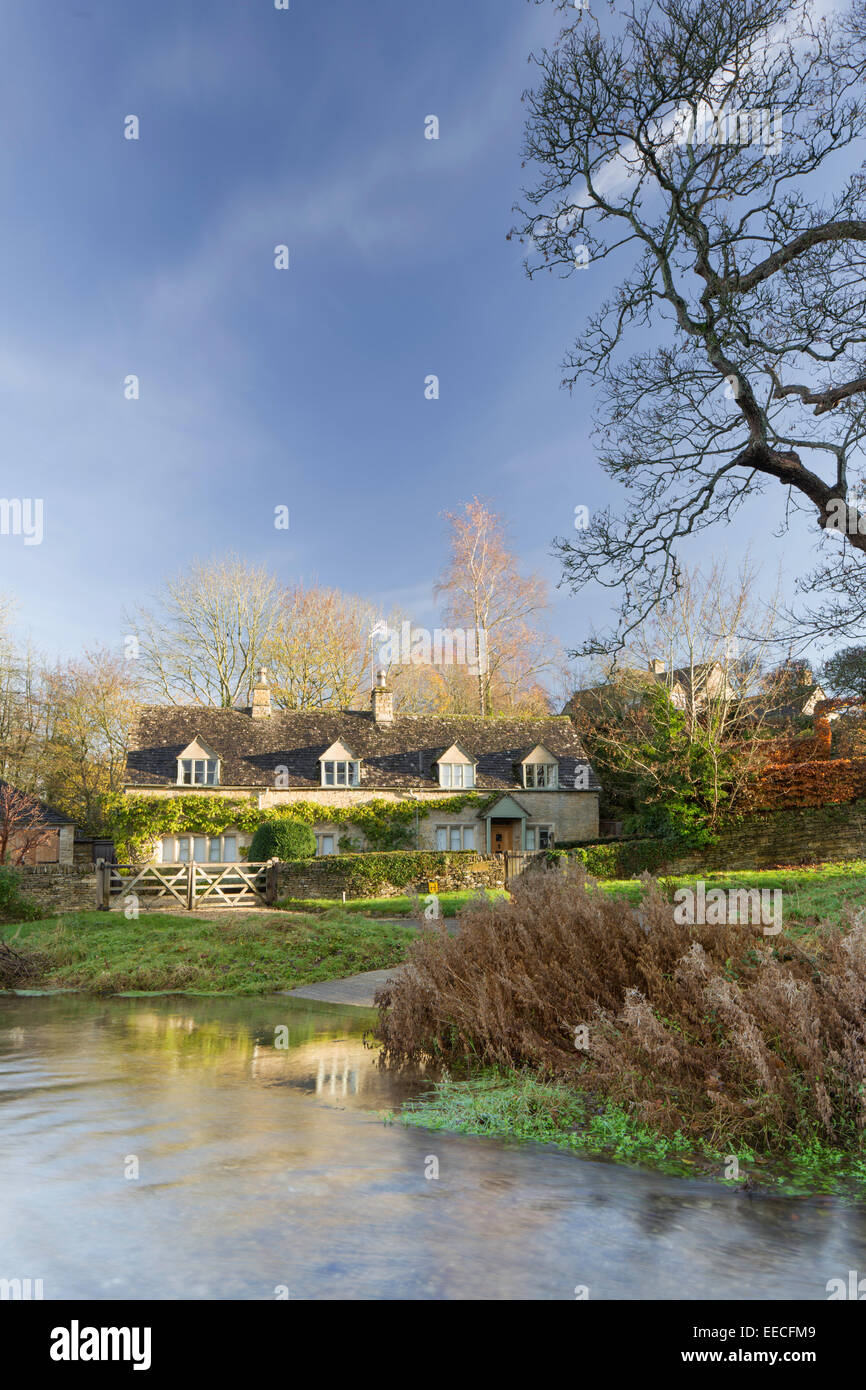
column 59, row 887
column 388, row 875
column 810, row 835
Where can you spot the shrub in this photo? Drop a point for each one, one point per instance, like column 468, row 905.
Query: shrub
column 282, row 839
column 713, row 1030
column 14, row 907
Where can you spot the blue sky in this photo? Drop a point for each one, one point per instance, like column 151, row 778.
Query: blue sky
column 258, row 388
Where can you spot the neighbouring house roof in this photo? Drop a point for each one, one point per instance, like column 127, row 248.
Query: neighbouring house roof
column 800, row 701
column 398, row 756
column 50, row 816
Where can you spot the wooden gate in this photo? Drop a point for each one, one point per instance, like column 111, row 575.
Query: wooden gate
column 516, row 860
column 190, row 885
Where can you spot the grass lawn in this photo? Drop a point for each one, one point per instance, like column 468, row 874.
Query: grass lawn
column 227, row 954
column 449, row 903
column 810, row 895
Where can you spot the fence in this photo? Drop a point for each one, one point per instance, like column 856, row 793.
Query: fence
column 190, row 885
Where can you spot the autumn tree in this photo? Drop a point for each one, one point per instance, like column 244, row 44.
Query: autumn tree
column 484, row 592
column 677, row 725
column 715, row 146
column 90, row 706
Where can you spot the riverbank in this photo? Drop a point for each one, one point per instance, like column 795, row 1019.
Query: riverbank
column 250, row 953
column 512, row 1104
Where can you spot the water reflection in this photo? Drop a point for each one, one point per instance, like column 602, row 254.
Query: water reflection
column 262, row 1165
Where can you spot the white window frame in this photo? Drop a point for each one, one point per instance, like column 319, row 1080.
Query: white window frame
column 175, row 842
column 448, row 774
column 466, row 832
column 210, row 772
column 551, row 776
column 351, row 772
column 321, row 837
column 537, row 831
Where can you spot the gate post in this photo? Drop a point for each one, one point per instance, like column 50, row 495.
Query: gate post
column 103, row 885
column 272, row 873
column 190, row 886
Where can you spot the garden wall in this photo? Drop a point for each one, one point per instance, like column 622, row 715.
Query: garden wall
column 59, row 887
column 806, row 836
column 387, row 875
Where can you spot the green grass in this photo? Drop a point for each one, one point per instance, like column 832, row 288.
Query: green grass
column 519, row 1105
column 253, row 954
column 449, row 903
column 811, row 895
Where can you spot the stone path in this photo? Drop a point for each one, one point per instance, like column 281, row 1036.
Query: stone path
column 356, row 989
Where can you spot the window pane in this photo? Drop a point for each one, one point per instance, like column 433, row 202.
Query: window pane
column 327, row 844
column 183, row 850
column 441, row 837
column 445, row 774
column 544, row 838
column 529, row 775
column 329, row 774
column 211, row 772
column 213, row 850
column 530, row 837
column 457, row 779
column 469, row 837
column 186, row 771
column 198, row 772
column 454, row 835
column 168, row 850
column 199, row 849
column 230, row 849
column 341, row 774
column 469, row 777
column 354, row 769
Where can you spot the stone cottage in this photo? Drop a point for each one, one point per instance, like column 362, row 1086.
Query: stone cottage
column 533, row 774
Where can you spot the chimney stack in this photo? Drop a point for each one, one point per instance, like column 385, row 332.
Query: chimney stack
column 657, row 667
column 261, row 704
column 382, row 701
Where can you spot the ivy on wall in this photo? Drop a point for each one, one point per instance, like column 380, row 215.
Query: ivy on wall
column 135, row 822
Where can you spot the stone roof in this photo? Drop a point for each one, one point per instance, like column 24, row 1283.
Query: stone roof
column 397, row 756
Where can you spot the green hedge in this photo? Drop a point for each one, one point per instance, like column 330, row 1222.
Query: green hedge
column 363, row 875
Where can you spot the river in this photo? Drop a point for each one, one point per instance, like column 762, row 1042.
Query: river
column 170, row 1147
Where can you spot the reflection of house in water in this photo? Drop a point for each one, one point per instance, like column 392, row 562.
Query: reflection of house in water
column 333, row 1069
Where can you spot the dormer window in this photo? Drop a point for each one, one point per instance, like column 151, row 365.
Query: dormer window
column 540, row 770
column 340, row 767
column 456, row 769
column 199, row 772
column 198, row 766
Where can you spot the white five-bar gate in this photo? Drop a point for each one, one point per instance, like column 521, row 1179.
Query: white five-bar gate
column 187, row 885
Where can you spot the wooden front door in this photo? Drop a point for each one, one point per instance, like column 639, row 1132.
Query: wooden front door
column 504, row 835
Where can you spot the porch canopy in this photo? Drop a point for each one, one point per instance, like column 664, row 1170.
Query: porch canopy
column 506, row 808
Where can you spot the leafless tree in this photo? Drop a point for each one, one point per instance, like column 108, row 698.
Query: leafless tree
column 732, row 356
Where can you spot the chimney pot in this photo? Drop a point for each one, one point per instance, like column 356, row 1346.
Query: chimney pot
column 261, row 701
column 382, row 701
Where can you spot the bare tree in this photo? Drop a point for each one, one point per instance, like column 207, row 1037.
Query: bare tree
column 204, row 639
column 22, row 825
column 691, row 138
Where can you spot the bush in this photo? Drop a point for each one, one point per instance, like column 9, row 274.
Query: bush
column 282, row 839
column 713, row 1030
column 14, row 907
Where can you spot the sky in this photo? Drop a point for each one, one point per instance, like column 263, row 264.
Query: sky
column 262, row 388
